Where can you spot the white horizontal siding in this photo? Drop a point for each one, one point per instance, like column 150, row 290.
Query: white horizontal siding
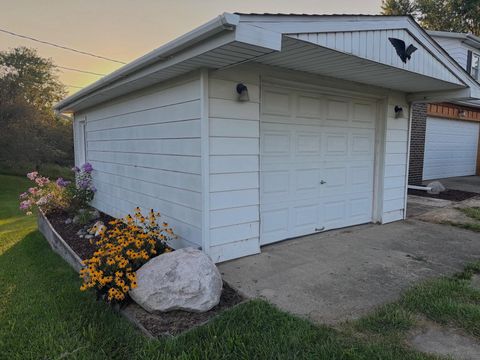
column 395, row 160
column 234, row 165
column 145, row 150
column 170, row 130
column 234, row 181
column 168, row 113
column 190, row 147
column 455, row 48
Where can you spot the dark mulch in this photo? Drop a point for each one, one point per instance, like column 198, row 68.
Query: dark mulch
column 165, row 324
column 68, row 232
column 176, row 322
column 450, row 194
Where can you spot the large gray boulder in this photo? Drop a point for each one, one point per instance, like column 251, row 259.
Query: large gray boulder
column 184, row 279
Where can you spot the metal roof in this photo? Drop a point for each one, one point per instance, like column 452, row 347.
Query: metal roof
column 467, row 38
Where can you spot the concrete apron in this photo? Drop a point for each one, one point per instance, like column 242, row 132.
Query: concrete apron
column 343, row 274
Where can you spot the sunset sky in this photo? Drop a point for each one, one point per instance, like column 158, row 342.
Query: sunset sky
column 127, row 29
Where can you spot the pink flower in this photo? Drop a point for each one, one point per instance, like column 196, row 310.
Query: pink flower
column 24, row 205
column 42, row 201
column 23, row 195
column 33, row 191
column 32, row 175
column 42, row 181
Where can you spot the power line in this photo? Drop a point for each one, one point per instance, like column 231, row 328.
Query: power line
column 60, row 46
column 78, row 70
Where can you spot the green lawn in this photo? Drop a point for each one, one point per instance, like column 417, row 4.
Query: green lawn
column 473, row 213
column 43, row 315
column 446, row 300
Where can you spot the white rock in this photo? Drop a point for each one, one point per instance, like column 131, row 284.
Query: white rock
column 184, row 279
column 436, row 187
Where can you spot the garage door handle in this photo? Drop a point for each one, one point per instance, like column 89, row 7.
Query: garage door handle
column 322, row 182
column 320, row 229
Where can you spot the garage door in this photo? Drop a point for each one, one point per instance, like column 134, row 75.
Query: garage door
column 317, row 160
column 450, row 148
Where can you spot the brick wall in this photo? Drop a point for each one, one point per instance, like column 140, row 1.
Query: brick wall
column 417, row 144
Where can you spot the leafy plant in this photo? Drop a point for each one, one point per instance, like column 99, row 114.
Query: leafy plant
column 83, row 191
column 83, row 216
column 122, row 250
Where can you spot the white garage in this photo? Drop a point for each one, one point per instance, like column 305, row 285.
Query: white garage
column 317, row 157
column 451, row 148
column 255, row 128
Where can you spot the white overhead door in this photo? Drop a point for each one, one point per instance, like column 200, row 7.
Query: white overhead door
column 450, row 148
column 317, row 162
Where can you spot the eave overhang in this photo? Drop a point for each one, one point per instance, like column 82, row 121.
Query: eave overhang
column 291, row 42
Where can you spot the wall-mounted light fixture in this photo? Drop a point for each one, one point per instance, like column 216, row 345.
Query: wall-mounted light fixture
column 242, row 92
column 398, row 112
column 462, row 113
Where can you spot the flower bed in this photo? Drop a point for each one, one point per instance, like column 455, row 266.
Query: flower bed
column 108, row 260
column 154, row 325
column 69, row 230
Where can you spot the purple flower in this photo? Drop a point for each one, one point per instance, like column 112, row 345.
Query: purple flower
column 87, row 167
column 23, row 195
column 62, row 182
column 75, row 169
column 83, row 184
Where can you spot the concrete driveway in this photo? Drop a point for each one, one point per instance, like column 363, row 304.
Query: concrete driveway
column 464, row 183
column 343, row 274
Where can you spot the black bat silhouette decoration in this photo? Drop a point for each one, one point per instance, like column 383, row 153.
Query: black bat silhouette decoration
column 403, row 52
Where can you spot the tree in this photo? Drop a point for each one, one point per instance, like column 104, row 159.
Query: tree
column 398, row 7
column 31, row 135
column 443, row 15
column 450, row 15
column 35, row 77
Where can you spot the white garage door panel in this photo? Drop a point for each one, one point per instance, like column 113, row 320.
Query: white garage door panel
column 450, row 148
column 314, row 175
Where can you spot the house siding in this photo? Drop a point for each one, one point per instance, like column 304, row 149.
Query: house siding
column 375, row 46
column 455, row 48
column 234, row 166
column 395, row 162
column 146, row 151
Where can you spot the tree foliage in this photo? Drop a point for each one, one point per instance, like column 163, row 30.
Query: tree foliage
column 398, row 7
column 442, row 15
column 35, row 77
column 30, row 132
